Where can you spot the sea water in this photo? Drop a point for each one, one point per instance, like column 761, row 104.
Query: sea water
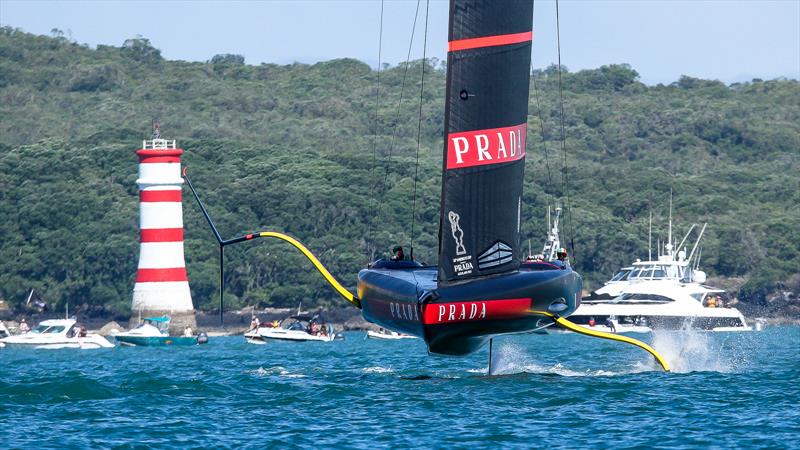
column 726, row 391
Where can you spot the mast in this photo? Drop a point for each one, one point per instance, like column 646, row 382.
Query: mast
column 486, row 116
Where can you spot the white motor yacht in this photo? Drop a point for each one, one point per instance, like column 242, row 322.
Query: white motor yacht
column 58, row 333
column 662, row 304
column 385, row 334
column 665, row 293
column 295, row 328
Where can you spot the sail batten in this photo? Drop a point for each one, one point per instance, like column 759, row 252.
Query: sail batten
column 485, row 129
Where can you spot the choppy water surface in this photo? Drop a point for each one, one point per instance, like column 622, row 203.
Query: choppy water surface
column 728, row 390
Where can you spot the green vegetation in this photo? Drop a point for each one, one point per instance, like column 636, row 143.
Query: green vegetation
column 290, row 148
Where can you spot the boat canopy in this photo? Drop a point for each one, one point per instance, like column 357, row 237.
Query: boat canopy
column 157, row 319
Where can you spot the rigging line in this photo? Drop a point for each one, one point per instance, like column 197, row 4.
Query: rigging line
column 381, row 193
column 541, row 121
column 419, row 126
column 565, row 176
column 370, row 254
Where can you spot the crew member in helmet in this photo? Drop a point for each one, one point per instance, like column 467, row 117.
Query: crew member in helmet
column 397, row 254
column 562, row 260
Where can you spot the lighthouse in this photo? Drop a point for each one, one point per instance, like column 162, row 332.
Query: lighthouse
column 162, row 287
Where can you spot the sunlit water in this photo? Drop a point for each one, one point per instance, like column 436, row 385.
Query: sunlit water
column 727, row 390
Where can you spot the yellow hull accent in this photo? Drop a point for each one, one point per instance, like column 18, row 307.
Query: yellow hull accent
column 564, row 323
column 328, row 277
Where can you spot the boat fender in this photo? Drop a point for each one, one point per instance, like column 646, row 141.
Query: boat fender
column 202, row 338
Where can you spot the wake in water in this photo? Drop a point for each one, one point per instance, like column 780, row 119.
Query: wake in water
column 510, row 358
column 275, row 371
column 695, row 351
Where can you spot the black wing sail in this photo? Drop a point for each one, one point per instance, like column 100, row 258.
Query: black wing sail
column 488, row 71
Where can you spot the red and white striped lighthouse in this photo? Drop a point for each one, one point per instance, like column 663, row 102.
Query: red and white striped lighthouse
column 162, row 286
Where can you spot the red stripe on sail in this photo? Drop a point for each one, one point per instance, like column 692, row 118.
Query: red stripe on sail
column 162, row 235
column 484, row 147
column 489, row 41
column 160, row 196
column 161, row 275
column 437, row 313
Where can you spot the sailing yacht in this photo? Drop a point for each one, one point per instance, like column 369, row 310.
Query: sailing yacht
column 480, row 288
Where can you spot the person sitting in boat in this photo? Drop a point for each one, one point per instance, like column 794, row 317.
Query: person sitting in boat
column 82, row 331
column 711, row 302
column 314, row 328
column 591, row 321
column 23, row 326
column 187, row 332
column 397, row 254
column 561, row 258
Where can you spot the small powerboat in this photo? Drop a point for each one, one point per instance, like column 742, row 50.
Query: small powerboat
column 388, row 335
column 154, row 332
column 295, row 328
column 56, row 334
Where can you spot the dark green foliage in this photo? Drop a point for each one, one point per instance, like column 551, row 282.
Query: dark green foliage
column 290, row 148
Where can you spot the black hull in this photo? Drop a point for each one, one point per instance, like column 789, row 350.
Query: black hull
column 459, row 319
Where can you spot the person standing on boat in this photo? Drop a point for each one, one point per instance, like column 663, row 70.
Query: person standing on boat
column 610, row 324
column 562, row 260
column 23, row 326
column 254, row 323
column 397, row 254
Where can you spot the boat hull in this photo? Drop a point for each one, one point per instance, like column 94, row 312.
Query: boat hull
column 85, row 344
column 459, row 319
column 157, row 341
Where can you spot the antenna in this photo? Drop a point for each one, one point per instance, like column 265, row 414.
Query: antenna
column 650, row 238
column 698, row 241
column 685, row 237
column 669, row 236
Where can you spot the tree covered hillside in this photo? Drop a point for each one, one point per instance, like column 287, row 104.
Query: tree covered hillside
column 296, row 148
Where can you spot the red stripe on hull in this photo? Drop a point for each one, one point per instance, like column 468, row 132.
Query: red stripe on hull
column 489, row 41
column 484, row 147
column 438, row 313
column 161, row 235
column 161, row 275
column 160, row 196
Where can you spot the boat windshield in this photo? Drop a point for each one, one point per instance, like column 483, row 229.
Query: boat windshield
column 621, row 275
column 40, row 329
column 46, row 329
column 656, row 272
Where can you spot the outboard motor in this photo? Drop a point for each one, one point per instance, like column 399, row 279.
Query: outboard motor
column 202, row 338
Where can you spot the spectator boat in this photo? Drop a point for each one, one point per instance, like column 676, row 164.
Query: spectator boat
column 295, row 328
column 154, row 332
column 56, row 334
column 388, row 335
